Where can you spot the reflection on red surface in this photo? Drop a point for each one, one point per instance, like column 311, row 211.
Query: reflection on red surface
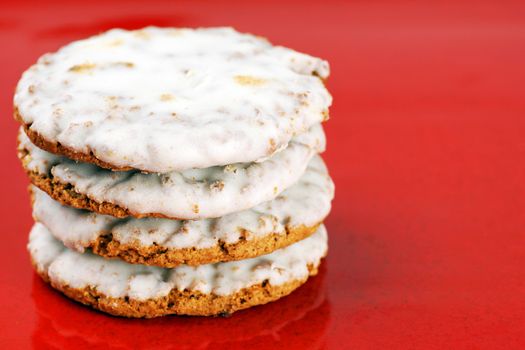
column 299, row 320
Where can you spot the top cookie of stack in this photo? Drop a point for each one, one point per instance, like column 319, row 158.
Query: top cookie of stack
column 213, row 131
column 162, row 100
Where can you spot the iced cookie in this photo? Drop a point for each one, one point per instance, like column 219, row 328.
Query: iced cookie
column 293, row 215
column 162, row 100
column 191, row 194
column 123, row 289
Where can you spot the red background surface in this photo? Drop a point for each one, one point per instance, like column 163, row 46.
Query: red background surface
column 426, row 148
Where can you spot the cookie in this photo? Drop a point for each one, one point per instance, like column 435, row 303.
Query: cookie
column 293, row 215
column 123, row 289
column 178, row 98
column 62, row 325
column 191, row 194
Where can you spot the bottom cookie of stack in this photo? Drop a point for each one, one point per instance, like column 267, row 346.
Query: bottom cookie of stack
column 132, row 290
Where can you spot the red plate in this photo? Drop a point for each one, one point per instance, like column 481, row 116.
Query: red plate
column 426, row 146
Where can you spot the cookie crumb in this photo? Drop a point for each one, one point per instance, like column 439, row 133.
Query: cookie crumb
column 125, row 64
column 273, row 147
column 82, row 68
column 195, row 208
column 167, row 97
column 217, row 185
column 230, row 168
column 249, row 80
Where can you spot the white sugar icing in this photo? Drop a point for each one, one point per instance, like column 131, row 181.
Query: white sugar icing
column 164, row 100
column 115, row 278
column 191, row 194
column 305, row 203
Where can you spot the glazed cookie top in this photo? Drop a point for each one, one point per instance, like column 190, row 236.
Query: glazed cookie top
column 165, row 99
column 116, row 278
column 306, row 203
column 190, row 194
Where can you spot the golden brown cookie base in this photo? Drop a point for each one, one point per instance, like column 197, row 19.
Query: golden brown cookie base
column 57, row 148
column 185, row 302
column 107, row 246
column 66, row 195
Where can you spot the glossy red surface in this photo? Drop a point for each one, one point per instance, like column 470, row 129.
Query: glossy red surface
column 426, row 148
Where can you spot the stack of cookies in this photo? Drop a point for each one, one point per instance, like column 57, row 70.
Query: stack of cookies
column 175, row 171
